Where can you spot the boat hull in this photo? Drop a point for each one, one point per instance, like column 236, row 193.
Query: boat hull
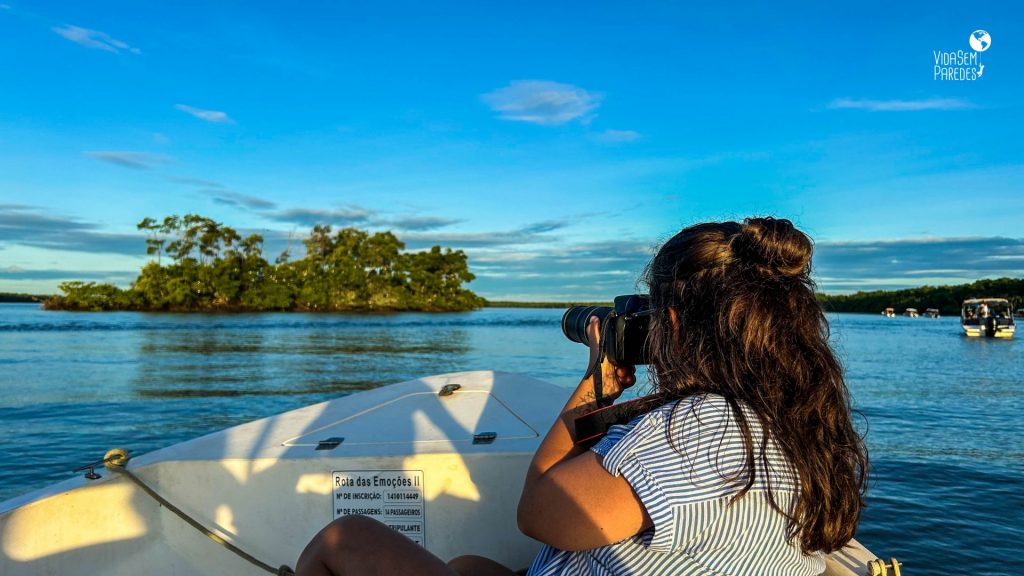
column 268, row 486
column 976, row 331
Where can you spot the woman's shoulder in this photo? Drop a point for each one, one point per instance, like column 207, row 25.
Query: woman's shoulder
column 698, row 434
column 678, row 422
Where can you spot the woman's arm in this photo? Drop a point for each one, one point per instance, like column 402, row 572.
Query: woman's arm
column 569, row 500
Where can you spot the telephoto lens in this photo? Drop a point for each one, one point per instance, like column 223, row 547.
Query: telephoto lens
column 574, row 321
column 624, row 328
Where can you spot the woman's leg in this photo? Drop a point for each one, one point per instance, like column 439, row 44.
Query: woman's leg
column 358, row 545
column 361, row 545
column 478, row 566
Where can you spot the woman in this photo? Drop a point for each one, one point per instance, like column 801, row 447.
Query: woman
column 745, row 460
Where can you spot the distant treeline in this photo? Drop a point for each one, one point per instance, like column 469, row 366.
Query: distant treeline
column 202, row 265
column 512, row 304
column 947, row 299
column 19, row 298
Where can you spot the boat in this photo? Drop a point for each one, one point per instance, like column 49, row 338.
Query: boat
column 911, row 313
column 931, row 312
column 889, row 312
column 441, row 459
column 988, row 317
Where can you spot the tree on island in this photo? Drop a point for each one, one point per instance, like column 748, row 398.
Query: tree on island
column 211, row 267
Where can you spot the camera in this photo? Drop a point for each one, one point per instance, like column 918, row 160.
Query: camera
column 623, row 328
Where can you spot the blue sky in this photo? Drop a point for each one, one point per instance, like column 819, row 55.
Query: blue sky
column 556, row 144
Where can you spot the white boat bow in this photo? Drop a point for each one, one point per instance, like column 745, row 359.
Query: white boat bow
column 441, row 459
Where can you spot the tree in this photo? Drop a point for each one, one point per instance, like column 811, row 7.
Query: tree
column 154, row 243
column 214, row 268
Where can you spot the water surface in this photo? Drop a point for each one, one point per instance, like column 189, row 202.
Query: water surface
column 943, row 412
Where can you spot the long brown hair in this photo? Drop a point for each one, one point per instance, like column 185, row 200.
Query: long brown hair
column 748, row 327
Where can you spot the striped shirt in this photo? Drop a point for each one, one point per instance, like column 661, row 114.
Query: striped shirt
column 686, row 485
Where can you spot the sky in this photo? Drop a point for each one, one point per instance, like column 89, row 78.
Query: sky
column 557, row 144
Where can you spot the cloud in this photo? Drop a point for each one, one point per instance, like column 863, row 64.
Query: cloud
column 900, row 105
column 208, row 115
column 26, row 226
column 418, row 222
column 221, row 195
column 229, row 198
column 513, row 265
column 529, row 234
column 544, row 226
column 541, row 102
column 618, row 136
column 310, row 216
column 578, row 271
column 356, row 216
column 136, row 160
column 195, row 182
column 94, row 39
column 549, row 270
column 416, row 241
column 893, row 264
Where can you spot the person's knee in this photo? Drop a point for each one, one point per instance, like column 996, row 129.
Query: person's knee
column 471, row 565
column 463, row 562
column 336, row 543
column 350, row 531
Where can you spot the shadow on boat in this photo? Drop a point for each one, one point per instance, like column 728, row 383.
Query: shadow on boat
column 266, row 488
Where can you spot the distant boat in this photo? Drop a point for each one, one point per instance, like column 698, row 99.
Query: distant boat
column 931, row 312
column 989, row 317
column 911, row 313
column 889, row 312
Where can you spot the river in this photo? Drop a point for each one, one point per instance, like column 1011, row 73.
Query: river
column 943, row 412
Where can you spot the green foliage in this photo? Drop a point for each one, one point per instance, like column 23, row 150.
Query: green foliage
column 946, row 298
column 211, row 267
column 21, row 298
column 91, row 296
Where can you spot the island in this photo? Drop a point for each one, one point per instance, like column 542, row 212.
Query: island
column 199, row 264
column 16, row 298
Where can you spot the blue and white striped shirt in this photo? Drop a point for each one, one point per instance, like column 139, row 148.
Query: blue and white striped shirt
column 686, row 485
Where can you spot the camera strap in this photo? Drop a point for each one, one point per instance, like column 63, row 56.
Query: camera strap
column 597, row 370
column 591, row 427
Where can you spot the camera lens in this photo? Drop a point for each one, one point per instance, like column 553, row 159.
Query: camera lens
column 574, row 321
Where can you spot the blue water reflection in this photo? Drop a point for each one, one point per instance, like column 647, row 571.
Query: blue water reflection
column 943, row 411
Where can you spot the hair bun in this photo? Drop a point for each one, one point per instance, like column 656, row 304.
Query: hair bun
column 776, row 244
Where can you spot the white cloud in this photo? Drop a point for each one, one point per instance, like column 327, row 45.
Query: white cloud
column 208, row 115
column 195, row 182
column 889, row 264
column 542, row 102
column 618, row 136
column 900, row 105
column 311, row 216
column 229, row 198
column 418, row 222
column 138, row 160
column 94, row 39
